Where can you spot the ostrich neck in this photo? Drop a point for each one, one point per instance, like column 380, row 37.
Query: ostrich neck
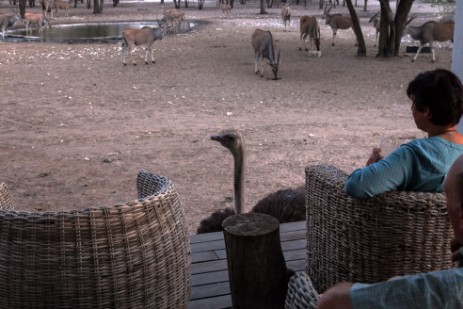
column 238, row 180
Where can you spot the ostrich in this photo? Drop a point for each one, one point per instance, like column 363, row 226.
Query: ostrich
column 287, row 205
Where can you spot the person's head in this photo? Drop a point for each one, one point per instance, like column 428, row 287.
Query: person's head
column 454, row 192
column 440, row 94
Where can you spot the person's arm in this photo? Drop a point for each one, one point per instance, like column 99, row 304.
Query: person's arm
column 336, row 297
column 389, row 174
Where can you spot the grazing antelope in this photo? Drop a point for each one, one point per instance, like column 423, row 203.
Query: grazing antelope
column 336, row 21
column 286, row 14
column 36, row 19
column 62, row 5
column 144, row 36
column 310, row 31
column 430, row 32
column 377, row 25
column 264, row 47
column 7, row 21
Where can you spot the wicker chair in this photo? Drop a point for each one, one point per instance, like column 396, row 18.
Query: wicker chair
column 135, row 255
column 5, row 197
column 373, row 239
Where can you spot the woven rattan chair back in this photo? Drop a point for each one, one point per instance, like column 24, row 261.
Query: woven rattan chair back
column 373, row 239
column 134, row 255
column 5, row 197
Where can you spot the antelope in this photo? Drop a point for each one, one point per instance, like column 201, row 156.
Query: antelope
column 176, row 17
column 286, row 14
column 377, row 25
column 47, row 6
column 144, row 36
column 310, row 31
column 336, row 21
column 430, row 32
column 37, row 19
column 264, row 47
column 226, row 8
column 62, row 5
column 7, row 21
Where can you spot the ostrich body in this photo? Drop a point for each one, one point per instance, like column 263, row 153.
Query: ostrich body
column 287, row 205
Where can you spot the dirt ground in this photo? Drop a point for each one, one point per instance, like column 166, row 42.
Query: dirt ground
column 77, row 126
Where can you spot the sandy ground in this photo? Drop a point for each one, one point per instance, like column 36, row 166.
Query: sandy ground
column 77, row 126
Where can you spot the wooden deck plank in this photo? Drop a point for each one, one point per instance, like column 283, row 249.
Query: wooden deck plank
column 210, row 286
column 220, row 302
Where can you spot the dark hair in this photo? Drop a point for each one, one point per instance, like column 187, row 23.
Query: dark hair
column 442, row 92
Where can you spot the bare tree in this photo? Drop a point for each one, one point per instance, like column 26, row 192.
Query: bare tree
column 392, row 27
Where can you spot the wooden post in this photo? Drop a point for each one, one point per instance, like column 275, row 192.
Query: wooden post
column 256, row 266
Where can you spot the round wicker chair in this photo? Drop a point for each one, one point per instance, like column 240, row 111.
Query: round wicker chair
column 374, row 239
column 135, row 255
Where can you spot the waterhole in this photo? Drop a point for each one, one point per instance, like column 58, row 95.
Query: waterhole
column 107, row 32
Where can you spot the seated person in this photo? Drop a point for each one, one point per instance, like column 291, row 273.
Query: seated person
column 422, row 164
column 433, row 290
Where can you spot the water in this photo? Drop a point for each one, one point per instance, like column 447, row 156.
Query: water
column 108, row 32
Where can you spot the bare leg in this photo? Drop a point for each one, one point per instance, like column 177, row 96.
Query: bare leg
column 256, row 61
column 418, row 52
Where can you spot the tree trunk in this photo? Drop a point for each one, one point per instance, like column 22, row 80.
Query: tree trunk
column 400, row 20
column 362, row 50
column 98, row 6
column 22, row 8
column 365, row 6
column 262, row 7
column 392, row 28
column 256, row 266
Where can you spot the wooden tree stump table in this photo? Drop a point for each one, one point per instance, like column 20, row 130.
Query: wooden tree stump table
column 256, row 266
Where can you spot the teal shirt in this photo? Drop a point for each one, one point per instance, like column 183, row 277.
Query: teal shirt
column 434, row 290
column 420, row 165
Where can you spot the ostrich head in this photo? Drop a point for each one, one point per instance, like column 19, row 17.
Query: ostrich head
column 233, row 141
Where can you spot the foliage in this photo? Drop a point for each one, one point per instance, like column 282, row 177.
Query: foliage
column 445, row 6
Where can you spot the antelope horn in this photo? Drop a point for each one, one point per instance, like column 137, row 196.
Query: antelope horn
column 410, row 19
column 373, row 17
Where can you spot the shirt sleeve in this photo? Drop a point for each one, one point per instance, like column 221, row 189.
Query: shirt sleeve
column 433, row 290
column 389, row 174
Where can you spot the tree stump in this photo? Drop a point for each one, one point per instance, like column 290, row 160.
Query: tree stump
column 256, row 266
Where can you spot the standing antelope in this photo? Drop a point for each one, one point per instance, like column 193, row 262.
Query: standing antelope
column 310, row 31
column 377, row 25
column 286, row 14
column 175, row 16
column 430, row 32
column 7, row 21
column 37, row 19
column 264, row 47
column 226, row 8
column 62, row 5
column 144, row 36
column 336, row 21
column 47, row 6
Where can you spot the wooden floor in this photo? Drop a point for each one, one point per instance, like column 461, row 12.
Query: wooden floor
column 210, row 288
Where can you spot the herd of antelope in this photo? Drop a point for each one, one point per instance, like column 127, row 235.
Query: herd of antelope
column 262, row 41
column 37, row 20
column 264, row 44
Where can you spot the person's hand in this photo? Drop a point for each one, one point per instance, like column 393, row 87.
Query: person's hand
column 375, row 156
column 457, row 248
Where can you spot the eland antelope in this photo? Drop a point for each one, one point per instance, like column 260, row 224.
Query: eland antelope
column 264, row 47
